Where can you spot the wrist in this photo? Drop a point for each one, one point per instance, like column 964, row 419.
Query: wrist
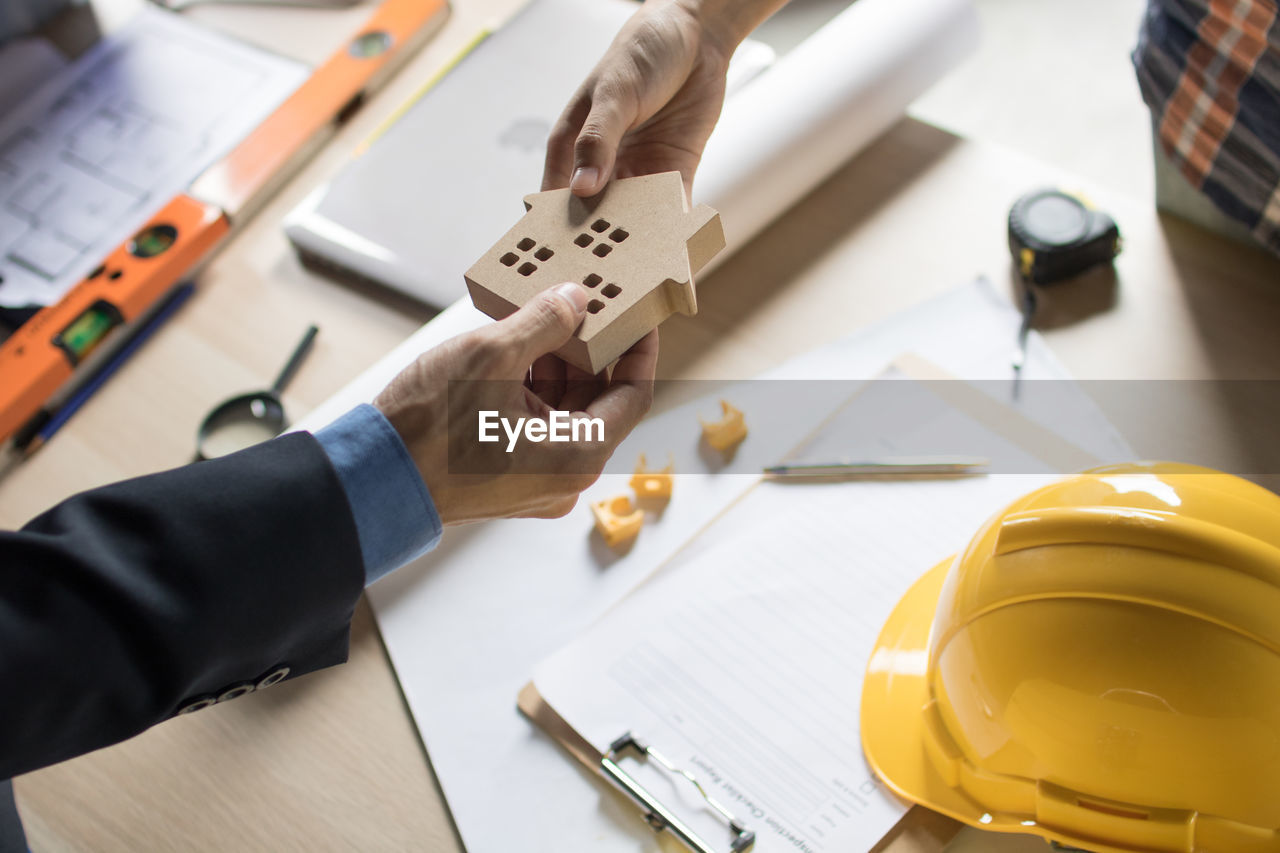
column 723, row 24
column 393, row 510
column 417, row 425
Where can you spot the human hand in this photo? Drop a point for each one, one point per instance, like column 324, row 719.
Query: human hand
column 651, row 102
column 507, row 367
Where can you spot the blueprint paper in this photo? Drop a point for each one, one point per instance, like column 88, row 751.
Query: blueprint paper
column 106, row 142
column 822, row 103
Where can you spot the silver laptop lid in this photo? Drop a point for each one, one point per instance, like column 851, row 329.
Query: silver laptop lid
column 430, row 195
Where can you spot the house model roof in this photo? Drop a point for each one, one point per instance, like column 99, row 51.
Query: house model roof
column 635, row 247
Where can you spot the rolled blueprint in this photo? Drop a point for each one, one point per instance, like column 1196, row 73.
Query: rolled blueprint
column 823, row 102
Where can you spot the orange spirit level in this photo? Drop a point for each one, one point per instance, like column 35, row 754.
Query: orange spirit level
column 44, row 353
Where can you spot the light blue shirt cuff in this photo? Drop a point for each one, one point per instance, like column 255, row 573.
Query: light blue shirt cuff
column 396, row 519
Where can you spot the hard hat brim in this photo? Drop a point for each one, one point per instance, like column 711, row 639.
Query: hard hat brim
column 895, row 693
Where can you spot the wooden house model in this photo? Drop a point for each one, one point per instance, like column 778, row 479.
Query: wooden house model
column 635, row 247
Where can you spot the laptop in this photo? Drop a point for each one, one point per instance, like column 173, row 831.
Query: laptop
column 430, row 194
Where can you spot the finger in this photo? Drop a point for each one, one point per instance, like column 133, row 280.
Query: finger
column 544, row 324
column 555, row 509
column 581, row 388
column 630, row 393
column 547, row 379
column 640, row 363
column 596, row 147
column 557, row 168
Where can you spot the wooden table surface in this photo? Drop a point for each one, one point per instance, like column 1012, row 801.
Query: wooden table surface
column 332, row 761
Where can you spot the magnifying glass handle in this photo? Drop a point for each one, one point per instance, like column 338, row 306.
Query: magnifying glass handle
column 295, row 360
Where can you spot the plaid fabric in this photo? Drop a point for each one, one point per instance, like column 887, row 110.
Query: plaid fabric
column 1210, row 72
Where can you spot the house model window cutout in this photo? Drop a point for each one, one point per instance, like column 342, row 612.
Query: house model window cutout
column 635, row 246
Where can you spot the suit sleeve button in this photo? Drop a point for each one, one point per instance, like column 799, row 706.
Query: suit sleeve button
column 274, row 677
column 235, row 691
column 197, row 705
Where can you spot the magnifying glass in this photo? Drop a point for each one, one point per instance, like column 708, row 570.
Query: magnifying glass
column 250, row 419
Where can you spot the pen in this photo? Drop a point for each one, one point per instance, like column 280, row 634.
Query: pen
column 888, row 466
column 42, row 427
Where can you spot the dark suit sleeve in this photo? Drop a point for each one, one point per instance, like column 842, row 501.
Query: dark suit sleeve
column 124, row 605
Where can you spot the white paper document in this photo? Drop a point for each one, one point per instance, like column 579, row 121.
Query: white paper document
column 466, row 624
column 742, row 662
column 91, row 154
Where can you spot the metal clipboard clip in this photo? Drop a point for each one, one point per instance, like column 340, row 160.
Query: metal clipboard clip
column 656, row 814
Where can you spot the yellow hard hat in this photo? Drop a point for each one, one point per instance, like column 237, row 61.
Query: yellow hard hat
column 1101, row 667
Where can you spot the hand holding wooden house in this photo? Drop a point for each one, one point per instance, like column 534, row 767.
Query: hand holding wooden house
column 635, row 246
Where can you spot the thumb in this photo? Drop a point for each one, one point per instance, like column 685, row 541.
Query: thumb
column 597, row 144
column 545, row 322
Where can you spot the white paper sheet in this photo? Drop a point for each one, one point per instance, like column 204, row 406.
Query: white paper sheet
column 102, row 145
column 466, row 625
column 744, row 664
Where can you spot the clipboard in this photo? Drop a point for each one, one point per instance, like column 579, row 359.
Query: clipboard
column 45, row 352
column 919, row 830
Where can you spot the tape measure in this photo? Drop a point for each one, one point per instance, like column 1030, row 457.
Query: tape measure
column 1054, row 235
